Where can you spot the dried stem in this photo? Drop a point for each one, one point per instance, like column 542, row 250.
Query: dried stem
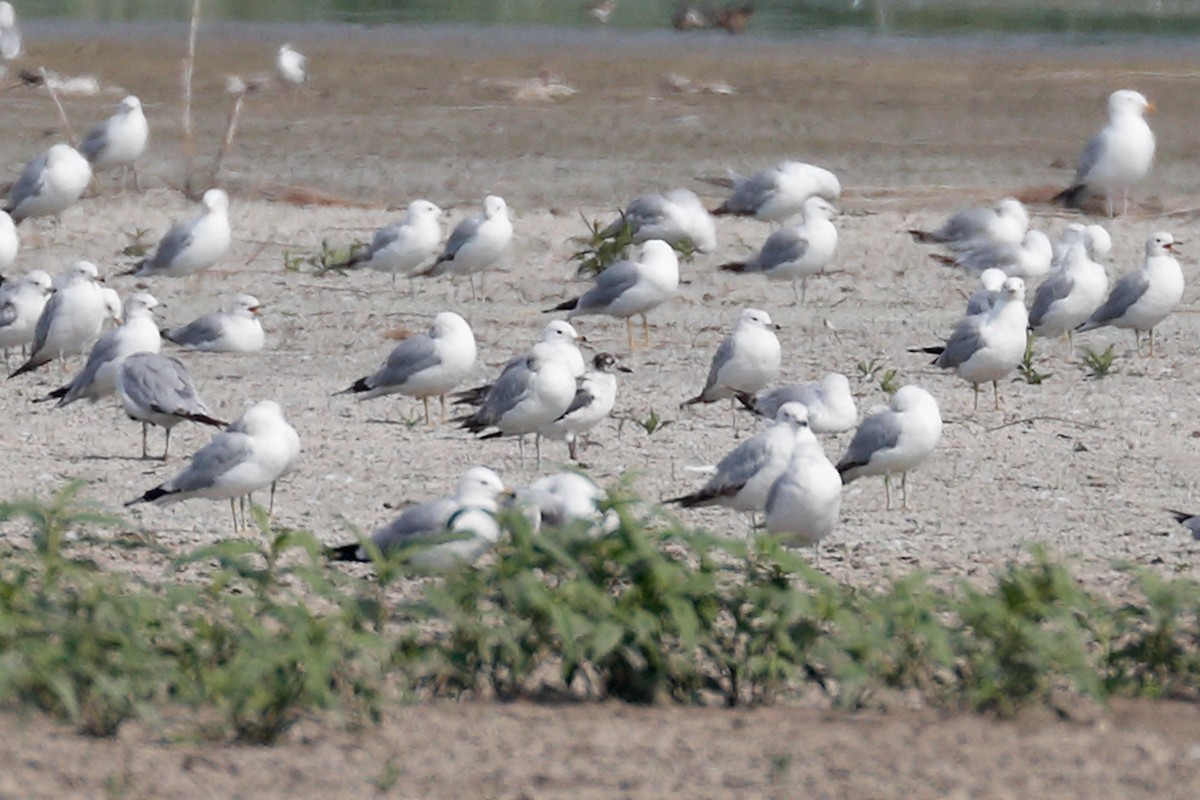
column 227, row 141
column 62, row 112
column 188, row 144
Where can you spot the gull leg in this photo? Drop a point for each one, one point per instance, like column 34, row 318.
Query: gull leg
column 442, row 399
column 645, row 331
column 629, row 332
column 573, row 447
column 537, row 446
column 904, row 491
column 233, row 513
column 137, row 180
column 1152, row 343
column 975, row 386
column 144, row 426
column 1070, row 347
column 1137, row 342
column 425, row 402
column 796, row 294
column 804, row 290
column 166, row 445
column 271, row 502
column 471, row 282
column 996, row 392
column 733, row 415
column 521, row 449
column 887, row 492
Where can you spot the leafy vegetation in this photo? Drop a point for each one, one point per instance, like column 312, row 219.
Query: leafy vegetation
column 1026, row 370
column 1097, row 364
column 601, row 248
column 327, row 259
column 254, row 634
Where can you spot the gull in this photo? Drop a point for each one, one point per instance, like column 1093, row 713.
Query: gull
column 21, row 305
column 897, row 438
column 779, row 192
column 677, row 218
column 49, row 184
column 1028, row 259
column 1143, row 298
column 561, row 499
column 476, row 243
column 426, row 365
column 743, row 478
column 70, row 321
column 235, row 330
column 1095, row 239
column 525, row 399
column 601, row 10
column 289, row 66
column 98, row 378
column 405, row 245
column 595, row 396
column 830, row 403
column 10, row 33
column 804, row 502
column 560, row 335
column 796, row 252
column 991, row 284
column 120, row 140
column 251, row 454
column 158, row 390
column 1006, row 223
column 10, row 242
column 1069, row 296
column 629, row 288
column 747, row 360
column 1189, row 521
column 986, row 347
column 194, row 245
column 470, row 512
column 1117, row 157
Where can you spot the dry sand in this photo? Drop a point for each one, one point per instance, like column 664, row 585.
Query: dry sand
column 1082, row 466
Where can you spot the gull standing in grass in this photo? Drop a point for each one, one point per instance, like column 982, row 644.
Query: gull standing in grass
column 237, row 329
column 10, row 242
column 970, row 228
column 1144, row 298
column 1030, row 258
column 595, row 396
column 158, row 390
column 629, row 288
column 677, row 218
column 830, row 402
column 894, row 439
column 49, row 185
column 120, row 140
column 289, row 66
column 1116, row 158
column 71, row 320
column 21, row 305
column 98, row 378
column 195, row 245
column 747, row 360
column 400, row 248
column 777, row 193
column 475, row 244
column 1069, row 296
column 795, row 253
column 255, row 451
column 986, row 347
column 560, row 335
column 804, row 502
column 10, row 33
column 427, row 365
column 470, row 512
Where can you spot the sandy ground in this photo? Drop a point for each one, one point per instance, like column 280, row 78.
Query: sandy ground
column 1082, row 466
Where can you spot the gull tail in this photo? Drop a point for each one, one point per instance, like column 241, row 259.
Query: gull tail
column 156, row 493
column 924, row 237
column 847, row 470
column 28, row 366
column 749, row 402
column 436, row 269
column 344, row 552
column 569, row 305
column 1073, row 196
column 691, row 500
column 471, row 397
column 58, row 394
column 1180, row 516
column 724, row 210
column 357, row 387
column 733, row 266
column 933, row 351
column 944, row 260
column 205, row 419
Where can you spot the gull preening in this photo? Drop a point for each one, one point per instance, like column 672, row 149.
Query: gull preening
column 237, row 329
column 971, row 228
column 194, row 245
column 158, row 390
column 798, row 252
column 804, row 502
column 595, row 396
column 629, row 288
column 1143, row 298
column 1116, row 158
column 427, row 365
column 71, row 320
column 779, row 192
column 21, row 305
column 476, row 243
column 561, row 499
column 1029, row 258
column 1069, row 296
column 289, row 66
column 120, row 140
column 49, row 185
column 470, row 512
column 746, row 361
column 830, row 403
column 10, row 242
column 402, row 247
column 10, row 33
column 898, row 438
column 676, row 217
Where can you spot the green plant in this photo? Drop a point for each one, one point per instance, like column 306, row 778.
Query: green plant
column 136, row 245
column 651, row 423
column 888, row 383
column 599, row 251
column 1026, row 369
column 1098, row 365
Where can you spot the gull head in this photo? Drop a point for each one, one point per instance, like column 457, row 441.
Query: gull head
column 83, row 271
column 494, row 206
column 1014, row 289
column 261, row 416
column 912, row 397
column 1126, row 101
column 1161, row 243
column 817, row 207
column 655, row 250
column 1013, row 208
column 139, row 301
column 480, row 487
column 756, row 318
column 559, row 329
column 992, row 279
column 41, row 279
column 129, row 104
column 423, row 209
column 245, row 304
column 1099, row 243
column 447, row 323
column 1038, row 243
column 607, row 362
column 215, row 200
column 794, row 414
column 60, row 154
column 8, row 16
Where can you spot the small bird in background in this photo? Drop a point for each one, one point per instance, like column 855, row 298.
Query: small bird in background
column 601, row 10
column 119, row 141
column 289, row 66
column 10, row 33
column 1116, row 158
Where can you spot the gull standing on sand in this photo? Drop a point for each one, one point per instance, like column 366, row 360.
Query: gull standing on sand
column 49, row 185
column 894, row 439
column 743, row 478
column 970, row 228
column 779, row 192
column 98, row 378
column 1095, row 239
column 1030, row 258
column 289, row 66
column 10, row 242
column 400, row 248
column 158, row 390
column 120, row 140
column 237, row 329
column 629, row 288
column 595, row 396
column 986, row 347
column 471, row 511
column 71, row 320
column 1069, row 296
column 830, row 402
column 797, row 252
column 475, row 244
column 747, row 360
column 10, row 33
column 525, row 399
column 195, row 245
column 1116, row 158
column 1144, row 298
column 251, row 454
column 560, row 335
column 21, row 305
column 427, row 365
column 804, row 502
column 677, row 218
